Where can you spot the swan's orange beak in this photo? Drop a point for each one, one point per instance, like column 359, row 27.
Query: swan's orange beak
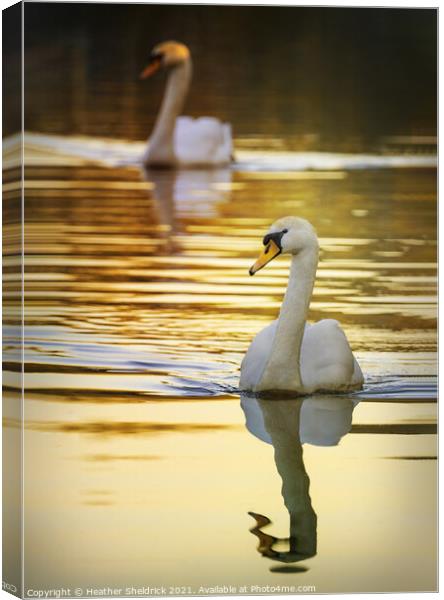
column 151, row 68
column 270, row 251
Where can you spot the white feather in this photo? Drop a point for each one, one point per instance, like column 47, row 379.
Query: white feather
column 202, row 141
column 289, row 354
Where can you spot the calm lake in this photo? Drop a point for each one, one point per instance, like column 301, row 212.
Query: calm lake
column 143, row 464
column 142, row 460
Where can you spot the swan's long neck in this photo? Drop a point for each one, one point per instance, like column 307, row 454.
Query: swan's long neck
column 161, row 144
column 282, row 371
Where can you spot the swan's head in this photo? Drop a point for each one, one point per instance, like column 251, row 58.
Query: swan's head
column 289, row 235
column 165, row 55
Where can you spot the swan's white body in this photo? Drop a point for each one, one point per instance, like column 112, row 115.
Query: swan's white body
column 289, row 354
column 202, row 141
column 183, row 141
column 326, row 360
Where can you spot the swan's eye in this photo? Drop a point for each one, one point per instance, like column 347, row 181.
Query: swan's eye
column 156, row 55
column 285, row 231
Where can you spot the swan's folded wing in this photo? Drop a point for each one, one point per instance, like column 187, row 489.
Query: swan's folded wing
column 327, row 361
column 202, row 141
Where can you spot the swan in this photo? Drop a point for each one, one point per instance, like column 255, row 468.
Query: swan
column 289, row 354
column 182, row 141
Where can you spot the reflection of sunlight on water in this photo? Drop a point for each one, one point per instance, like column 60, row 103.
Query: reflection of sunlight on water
column 139, row 265
column 50, row 149
column 139, row 310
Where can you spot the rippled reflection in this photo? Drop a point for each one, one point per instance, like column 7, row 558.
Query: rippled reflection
column 194, row 192
column 287, row 424
column 139, row 309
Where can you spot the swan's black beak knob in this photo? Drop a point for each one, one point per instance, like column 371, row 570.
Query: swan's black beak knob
column 276, row 237
column 270, row 251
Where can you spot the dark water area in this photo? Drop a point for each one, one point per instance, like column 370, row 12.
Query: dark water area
column 322, row 78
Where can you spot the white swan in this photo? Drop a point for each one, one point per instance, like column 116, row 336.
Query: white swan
column 289, row 354
column 182, row 141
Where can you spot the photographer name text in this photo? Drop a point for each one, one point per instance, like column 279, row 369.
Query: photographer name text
column 133, row 591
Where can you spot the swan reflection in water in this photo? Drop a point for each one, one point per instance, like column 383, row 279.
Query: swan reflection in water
column 287, row 424
column 180, row 193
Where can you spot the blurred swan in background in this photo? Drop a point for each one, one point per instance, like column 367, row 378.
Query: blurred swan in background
column 182, row 141
column 289, row 354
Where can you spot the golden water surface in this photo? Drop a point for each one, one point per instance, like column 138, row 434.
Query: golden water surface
column 142, row 461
